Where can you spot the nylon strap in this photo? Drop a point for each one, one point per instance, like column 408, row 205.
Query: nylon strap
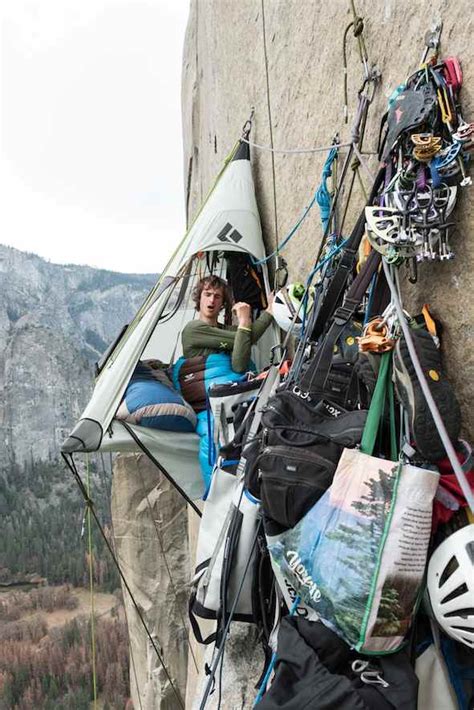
column 376, row 408
column 345, row 265
column 314, row 379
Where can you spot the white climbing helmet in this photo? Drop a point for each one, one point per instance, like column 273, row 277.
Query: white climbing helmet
column 451, row 585
column 288, row 307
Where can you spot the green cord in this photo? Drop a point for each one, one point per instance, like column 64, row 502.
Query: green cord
column 91, row 586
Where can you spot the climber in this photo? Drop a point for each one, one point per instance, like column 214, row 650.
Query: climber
column 215, row 353
column 205, row 335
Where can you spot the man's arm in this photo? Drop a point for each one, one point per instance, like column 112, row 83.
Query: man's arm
column 260, row 325
column 247, row 334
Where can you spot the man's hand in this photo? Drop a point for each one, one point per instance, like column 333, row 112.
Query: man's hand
column 243, row 313
column 270, row 299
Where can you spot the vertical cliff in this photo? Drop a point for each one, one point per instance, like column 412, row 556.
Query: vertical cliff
column 285, row 58
column 224, row 75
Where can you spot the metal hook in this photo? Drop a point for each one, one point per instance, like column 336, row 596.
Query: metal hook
column 247, row 127
column 373, row 678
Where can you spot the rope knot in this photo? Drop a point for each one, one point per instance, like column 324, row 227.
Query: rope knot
column 355, row 164
column 358, row 26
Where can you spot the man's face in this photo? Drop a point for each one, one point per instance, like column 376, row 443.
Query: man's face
column 212, row 300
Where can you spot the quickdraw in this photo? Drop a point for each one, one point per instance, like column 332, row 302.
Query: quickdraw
column 428, row 145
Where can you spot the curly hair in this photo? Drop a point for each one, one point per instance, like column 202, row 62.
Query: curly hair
column 217, row 283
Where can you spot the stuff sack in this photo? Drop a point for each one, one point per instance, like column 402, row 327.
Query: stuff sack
column 151, row 401
column 315, row 669
column 227, row 534
column 245, row 281
column 193, row 376
column 358, row 556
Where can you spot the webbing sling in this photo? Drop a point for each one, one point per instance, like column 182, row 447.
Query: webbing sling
column 344, row 267
column 314, row 378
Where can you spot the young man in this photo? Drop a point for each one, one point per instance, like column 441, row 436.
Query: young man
column 205, row 335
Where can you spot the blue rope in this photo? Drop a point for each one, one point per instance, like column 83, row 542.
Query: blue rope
column 321, row 196
column 266, row 677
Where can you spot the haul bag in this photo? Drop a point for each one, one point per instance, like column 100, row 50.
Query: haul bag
column 223, row 400
column 228, row 527
column 357, row 557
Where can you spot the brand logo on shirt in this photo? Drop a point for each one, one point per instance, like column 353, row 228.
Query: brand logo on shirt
column 302, row 575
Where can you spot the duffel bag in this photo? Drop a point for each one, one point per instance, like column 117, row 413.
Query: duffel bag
column 225, row 543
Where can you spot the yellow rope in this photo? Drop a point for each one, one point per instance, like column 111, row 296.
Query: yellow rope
column 91, row 585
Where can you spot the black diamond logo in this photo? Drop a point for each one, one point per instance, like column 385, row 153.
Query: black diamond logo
column 224, row 235
column 236, row 236
column 223, row 232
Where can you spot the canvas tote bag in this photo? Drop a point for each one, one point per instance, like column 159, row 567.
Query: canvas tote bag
column 357, row 558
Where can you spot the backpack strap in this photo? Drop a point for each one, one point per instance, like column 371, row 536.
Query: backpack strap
column 344, row 267
column 195, row 623
column 314, row 378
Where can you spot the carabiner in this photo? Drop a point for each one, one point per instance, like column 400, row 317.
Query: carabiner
column 247, row 127
column 443, row 101
column 373, row 678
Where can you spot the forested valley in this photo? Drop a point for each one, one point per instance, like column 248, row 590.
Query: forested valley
column 46, row 629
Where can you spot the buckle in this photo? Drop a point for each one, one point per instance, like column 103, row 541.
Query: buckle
column 344, row 313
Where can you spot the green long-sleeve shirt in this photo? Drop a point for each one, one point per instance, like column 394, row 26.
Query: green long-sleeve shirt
column 199, row 338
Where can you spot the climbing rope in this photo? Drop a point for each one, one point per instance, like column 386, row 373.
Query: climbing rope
column 323, row 196
column 91, row 586
column 270, row 123
column 290, row 234
column 70, row 463
column 132, row 656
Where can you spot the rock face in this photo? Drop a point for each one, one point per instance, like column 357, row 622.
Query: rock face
column 224, row 75
column 55, row 322
column 149, row 526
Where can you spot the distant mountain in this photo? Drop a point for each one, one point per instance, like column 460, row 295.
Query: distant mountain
column 55, row 322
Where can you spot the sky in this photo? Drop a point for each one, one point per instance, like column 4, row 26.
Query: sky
column 91, row 145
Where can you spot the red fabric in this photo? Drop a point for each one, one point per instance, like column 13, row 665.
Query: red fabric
column 449, row 482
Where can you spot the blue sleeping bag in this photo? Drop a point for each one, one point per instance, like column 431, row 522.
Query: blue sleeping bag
column 192, row 377
column 151, row 401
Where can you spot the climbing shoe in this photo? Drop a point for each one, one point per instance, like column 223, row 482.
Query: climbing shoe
column 409, row 392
